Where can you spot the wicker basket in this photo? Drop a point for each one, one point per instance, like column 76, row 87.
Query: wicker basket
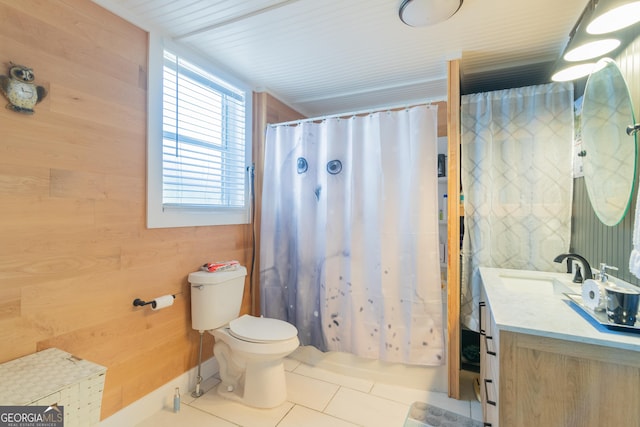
column 55, row 376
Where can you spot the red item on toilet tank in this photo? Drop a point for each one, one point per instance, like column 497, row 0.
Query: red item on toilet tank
column 213, row 267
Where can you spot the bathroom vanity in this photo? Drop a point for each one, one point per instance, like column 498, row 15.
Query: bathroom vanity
column 544, row 363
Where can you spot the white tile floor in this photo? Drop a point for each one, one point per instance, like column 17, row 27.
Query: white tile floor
column 316, row 398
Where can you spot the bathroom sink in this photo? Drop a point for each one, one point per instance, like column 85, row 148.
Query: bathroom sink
column 538, row 284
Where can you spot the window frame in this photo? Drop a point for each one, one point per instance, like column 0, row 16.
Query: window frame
column 159, row 216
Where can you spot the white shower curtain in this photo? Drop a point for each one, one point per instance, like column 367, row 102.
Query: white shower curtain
column 349, row 240
column 517, row 183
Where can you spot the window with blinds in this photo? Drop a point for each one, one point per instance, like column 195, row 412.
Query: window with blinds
column 204, row 160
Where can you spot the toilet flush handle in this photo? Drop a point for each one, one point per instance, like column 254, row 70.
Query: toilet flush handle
column 198, row 286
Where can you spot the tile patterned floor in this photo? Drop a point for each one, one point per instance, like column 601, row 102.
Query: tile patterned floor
column 317, row 398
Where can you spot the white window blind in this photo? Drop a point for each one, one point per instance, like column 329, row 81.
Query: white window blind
column 203, row 132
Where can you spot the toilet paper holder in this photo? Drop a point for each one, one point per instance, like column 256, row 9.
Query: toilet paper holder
column 140, row 303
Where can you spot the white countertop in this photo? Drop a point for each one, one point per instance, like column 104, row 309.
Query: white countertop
column 519, row 305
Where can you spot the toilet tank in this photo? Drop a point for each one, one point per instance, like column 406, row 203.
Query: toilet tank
column 216, row 297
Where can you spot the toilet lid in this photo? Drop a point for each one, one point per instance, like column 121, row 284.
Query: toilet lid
column 261, row 329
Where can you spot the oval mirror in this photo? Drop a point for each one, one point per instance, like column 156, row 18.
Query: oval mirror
column 609, row 154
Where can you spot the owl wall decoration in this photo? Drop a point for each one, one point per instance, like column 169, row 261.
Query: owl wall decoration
column 20, row 90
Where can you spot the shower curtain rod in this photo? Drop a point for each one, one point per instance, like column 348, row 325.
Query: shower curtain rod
column 353, row 113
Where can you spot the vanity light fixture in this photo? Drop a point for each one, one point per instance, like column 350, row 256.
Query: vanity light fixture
column 615, row 19
column 420, row 13
column 583, row 46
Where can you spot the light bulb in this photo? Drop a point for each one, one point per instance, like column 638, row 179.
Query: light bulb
column 615, row 19
column 573, row 72
column 591, row 50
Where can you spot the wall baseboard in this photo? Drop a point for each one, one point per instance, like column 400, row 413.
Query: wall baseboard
column 161, row 397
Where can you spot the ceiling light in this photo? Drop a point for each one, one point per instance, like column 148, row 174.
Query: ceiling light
column 591, row 50
column 572, row 73
column 419, row 13
column 615, row 19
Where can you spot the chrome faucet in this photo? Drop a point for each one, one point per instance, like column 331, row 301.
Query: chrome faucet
column 585, row 266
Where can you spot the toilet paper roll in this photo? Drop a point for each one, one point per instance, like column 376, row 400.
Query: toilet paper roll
column 162, row 302
column 593, row 295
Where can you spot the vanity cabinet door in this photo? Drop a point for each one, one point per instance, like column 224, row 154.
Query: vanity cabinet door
column 556, row 383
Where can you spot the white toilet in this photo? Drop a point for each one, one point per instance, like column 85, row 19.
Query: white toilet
column 250, row 350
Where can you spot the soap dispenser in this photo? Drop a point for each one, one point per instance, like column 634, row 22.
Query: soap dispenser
column 604, row 277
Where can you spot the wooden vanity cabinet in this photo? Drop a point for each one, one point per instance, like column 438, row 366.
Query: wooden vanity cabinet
column 535, row 380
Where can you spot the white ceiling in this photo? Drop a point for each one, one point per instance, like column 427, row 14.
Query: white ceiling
column 331, row 56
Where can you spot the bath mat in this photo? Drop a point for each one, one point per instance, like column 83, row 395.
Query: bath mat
column 424, row 415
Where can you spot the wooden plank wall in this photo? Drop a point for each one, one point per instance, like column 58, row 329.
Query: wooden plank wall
column 590, row 238
column 74, row 249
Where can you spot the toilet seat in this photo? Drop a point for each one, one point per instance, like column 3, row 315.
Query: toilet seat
column 261, row 329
